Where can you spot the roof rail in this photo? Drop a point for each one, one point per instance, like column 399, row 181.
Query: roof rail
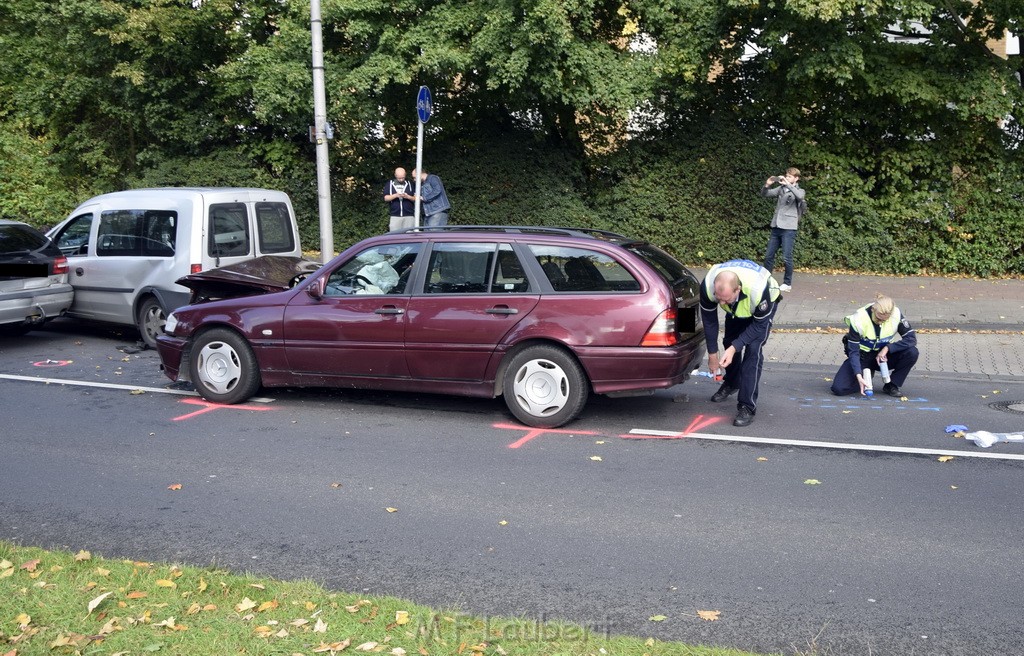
column 540, row 230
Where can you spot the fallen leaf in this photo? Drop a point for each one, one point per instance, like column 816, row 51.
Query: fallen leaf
column 657, row 618
column 4, row 564
column 137, row 594
column 812, row 481
column 391, row 510
column 401, row 617
column 267, row 605
column 102, row 572
column 31, row 565
column 258, row 586
column 709, row 615
column 320, row 627
column 82, row 555
column 202, row 584
column 846, row 412
column 762, row 459
column 335, row 485
column 246, row 604
column 945, row 458
column 503, row 523
column 283, row 633
column 136, row 392
column 97, row 601
column 23, row 619
column 952, row 487
column 398, row 651
column 299, row 622
column 166, row 583
column 175, row 487
column 367, row 646
column 903, row 398
column 596, row 458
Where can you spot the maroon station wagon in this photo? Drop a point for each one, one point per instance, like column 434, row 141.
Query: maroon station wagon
column 540, row 316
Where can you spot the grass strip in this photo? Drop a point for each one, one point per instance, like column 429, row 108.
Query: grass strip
column 58, row 603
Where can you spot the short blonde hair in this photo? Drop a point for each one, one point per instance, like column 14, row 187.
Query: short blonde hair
column 793, row 171
column 882, row 305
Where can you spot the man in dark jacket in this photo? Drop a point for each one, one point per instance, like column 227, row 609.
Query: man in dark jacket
column 400, row 194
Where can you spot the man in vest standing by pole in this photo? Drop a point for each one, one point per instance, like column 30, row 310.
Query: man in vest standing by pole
column 869, row 348
column 749, row 295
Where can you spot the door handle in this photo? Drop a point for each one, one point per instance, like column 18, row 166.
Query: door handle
column 504, row 309
column 390, row 309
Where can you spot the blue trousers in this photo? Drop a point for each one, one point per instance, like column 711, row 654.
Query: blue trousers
column 786, row 239
column 744, row 373
column 438, row 219
column 900, row 364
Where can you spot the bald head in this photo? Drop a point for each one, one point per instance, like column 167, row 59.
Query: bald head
column 727, row 287
column 399, row 174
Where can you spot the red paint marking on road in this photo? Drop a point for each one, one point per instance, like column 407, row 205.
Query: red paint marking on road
column 699, row 422
column 532, row 433
column 52, row 363
column 209, row 407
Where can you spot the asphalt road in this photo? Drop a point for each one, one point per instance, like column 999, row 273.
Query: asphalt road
column 888, row 553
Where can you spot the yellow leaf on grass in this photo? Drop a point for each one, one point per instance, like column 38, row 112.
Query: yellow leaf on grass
column 102, row 572
column 310, row 605
column 267, row 605
column 263, row 631
column 97, row 601
column 202, row 584
column 23, row 619
column 137, row 594
column 4, row 564
column 709, row 615
column 6, row 572
column 82, row 555
column 945, row 458
column 166, row 583
column 320, row 627
column 299, row 622
column 246, row 604
column 401, row 617
column 367, row 646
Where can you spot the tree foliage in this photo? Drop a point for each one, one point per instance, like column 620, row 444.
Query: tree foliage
column 658, row 118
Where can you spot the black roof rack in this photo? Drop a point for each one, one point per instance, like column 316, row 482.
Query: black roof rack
column 538, row 230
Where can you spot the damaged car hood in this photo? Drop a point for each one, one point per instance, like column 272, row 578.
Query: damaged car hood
column 262, row 275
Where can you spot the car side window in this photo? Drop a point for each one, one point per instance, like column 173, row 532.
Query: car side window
column 509, row 276
column 460, row 268
column 383, row 269
column 73, row 240
column 229, row 230
column 583, row 270
column 136, row 233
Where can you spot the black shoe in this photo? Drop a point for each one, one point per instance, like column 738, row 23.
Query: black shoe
column 892, row 390
column 744, row 417
column 724, row 392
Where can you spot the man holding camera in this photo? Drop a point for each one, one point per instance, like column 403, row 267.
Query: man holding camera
column 789, row 208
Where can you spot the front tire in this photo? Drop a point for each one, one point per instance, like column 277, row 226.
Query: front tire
column 223, row 367
column 544, row 387
column 151, row 321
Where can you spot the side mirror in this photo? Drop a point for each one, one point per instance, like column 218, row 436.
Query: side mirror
column 315, row 290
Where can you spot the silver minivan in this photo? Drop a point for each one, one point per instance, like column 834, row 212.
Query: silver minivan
column 126, row 249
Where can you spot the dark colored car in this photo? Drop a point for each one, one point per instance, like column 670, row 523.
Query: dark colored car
column 33, row 278
column 541, row 316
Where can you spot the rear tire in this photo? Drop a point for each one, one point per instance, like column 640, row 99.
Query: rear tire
column 151, row 321
column 223, row 367
column 544, row 387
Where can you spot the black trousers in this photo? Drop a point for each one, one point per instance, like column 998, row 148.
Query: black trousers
column 900, row 364
column 744, row 373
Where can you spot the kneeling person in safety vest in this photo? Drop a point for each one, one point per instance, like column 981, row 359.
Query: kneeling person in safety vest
column 869, row 343
column 749, row 295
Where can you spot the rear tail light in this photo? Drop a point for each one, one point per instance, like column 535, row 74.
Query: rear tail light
column 60, row 265
column 663, row 331
column 196, row 268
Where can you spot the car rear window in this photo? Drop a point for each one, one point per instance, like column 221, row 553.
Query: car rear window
column 667, row 266
column 583, row 270
column 274, row 225
column 20, row 239
column 229, row 230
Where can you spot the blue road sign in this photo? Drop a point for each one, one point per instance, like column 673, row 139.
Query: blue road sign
column 424, row 104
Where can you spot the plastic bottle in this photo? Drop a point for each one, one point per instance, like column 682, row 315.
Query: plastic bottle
column 883, row 368
column 868, row 390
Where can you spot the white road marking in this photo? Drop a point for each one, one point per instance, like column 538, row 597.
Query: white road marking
column 89, row 383
column 829, row 445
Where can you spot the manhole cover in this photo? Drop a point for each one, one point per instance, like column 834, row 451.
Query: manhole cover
column 1013, row 407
